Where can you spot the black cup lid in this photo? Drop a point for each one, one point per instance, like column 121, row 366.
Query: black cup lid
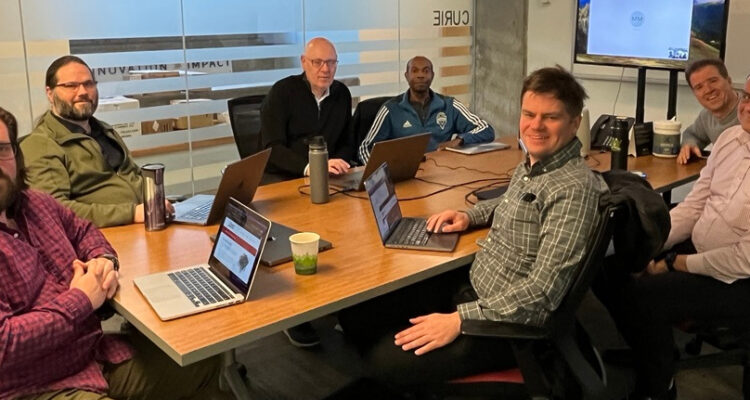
column 317, row 142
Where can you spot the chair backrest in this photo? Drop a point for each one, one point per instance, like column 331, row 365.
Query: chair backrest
column 587, row 270
column 364, row 116
column 244, row 116
column 570, row 339
column 583, row 372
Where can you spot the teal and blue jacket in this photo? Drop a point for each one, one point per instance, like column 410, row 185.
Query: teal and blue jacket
column 446, row 117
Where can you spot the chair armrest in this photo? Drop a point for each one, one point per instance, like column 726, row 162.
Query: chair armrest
column 486, row 328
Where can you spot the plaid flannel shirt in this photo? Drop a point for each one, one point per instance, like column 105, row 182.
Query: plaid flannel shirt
column 50, row 338
column 540, row 228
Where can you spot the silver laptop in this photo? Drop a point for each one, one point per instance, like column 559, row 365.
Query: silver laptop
column 395, row 230
column 239, row 180
column 225, row 280
column 402, row 154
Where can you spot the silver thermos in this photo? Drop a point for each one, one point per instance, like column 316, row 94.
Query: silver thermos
column 155, row 215
column 318, row 159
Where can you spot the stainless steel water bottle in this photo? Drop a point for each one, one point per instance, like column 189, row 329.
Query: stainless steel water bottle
column 153, row 197
column 619, row 144
column 318, row 159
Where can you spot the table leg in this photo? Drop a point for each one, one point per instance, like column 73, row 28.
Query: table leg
column 233, row 376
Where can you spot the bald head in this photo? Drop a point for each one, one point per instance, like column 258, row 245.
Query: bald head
column 319, row 63
column 419, row 75
column 419, row 59
column 319, row 44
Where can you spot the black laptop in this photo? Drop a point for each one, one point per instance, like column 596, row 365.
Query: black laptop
column 395, row 230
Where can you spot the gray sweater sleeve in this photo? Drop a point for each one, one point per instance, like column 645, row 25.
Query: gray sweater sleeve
column 695, row 134
column 707, row 128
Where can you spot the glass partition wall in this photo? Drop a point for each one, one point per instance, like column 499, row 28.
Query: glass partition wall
column 167, row 68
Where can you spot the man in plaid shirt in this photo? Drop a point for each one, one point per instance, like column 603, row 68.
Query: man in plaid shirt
column 56, row 270
column 538, row 232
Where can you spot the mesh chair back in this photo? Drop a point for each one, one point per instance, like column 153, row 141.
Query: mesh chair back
column 244, row 116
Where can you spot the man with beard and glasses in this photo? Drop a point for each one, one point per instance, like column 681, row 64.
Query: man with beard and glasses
column 420, row 110
column 79, row 160
column 56, row 270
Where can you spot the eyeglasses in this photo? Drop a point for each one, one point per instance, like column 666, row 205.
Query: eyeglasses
column 318, row 63
column 7, row 151
column 88, row 85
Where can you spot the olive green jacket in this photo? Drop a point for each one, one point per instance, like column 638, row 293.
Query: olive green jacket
column 70, row 166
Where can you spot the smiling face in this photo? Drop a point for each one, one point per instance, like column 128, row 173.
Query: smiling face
column 712, row 90
column 545, row 125
column 75, row 96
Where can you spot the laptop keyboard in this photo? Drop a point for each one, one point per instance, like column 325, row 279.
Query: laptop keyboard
column 412, row 232
column 199, row 213
column 199, row 286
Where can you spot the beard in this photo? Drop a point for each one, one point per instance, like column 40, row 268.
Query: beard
column 69, row 111
column 8, row 192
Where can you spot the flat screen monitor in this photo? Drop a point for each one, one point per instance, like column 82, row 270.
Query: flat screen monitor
column 660, row 34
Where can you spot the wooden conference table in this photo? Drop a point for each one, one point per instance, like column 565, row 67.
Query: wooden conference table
column 356, row 269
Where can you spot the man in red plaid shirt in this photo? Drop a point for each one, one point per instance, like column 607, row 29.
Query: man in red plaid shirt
column 56, row 270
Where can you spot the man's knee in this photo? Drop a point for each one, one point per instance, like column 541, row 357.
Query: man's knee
column 387, row 365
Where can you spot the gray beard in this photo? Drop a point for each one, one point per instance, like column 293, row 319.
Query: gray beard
column 67, row 111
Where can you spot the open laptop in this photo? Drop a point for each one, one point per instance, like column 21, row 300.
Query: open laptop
column 240, row 180
column 402, row 154
column 225, row 280
column 395, row 230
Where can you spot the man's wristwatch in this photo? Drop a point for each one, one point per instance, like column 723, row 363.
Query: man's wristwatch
column 114, row 260
column 669, row 260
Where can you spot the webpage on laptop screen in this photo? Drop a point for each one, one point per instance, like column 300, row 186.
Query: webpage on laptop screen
column 384, row 204
column 237, row 248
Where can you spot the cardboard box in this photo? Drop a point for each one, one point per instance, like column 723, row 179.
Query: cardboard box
column 117, row 103
column 196, row 121
column 157, row 126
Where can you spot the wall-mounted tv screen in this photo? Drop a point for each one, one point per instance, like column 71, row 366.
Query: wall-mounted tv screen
column 661, row 34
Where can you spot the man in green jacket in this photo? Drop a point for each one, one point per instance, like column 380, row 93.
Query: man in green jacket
column 79, row 160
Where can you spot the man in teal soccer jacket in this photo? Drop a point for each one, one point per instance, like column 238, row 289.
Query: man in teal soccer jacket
column 421, row 110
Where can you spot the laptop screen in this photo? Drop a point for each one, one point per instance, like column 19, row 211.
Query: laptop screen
column 383, row 200
column 239, row 243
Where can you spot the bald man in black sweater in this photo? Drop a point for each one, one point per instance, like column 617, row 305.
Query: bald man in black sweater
column 299, row 107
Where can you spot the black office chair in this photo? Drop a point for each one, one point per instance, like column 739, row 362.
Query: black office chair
column 244, row 117
column 364, row 116
column 556, row 360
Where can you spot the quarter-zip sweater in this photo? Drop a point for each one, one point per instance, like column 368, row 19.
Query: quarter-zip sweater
column 290, row 116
